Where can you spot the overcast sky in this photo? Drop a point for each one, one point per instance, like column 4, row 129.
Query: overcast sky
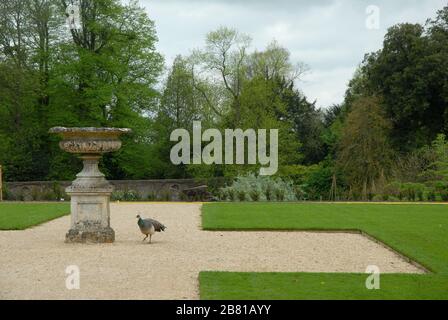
column 330, row 36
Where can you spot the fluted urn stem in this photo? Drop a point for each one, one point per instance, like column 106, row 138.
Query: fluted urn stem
column 90, row 168
column 90, row 178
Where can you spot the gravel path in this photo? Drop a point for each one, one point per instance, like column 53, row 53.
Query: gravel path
column 33, row 262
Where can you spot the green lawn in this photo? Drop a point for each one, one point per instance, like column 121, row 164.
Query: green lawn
column 19, row 216
column 418, row 231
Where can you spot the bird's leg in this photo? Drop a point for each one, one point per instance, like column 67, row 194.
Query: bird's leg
column 145, row 238
column 150, row 236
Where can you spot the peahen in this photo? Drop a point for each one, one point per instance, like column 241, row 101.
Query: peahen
column 149, row 226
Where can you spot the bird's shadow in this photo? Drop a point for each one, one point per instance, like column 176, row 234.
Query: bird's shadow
column 152, row 242
column 138, row 242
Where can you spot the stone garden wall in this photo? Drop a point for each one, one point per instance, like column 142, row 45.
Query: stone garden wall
column 169, row 189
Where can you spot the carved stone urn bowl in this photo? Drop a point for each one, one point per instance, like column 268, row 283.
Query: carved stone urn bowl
column 90, row 192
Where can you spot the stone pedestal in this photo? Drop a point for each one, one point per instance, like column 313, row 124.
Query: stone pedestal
column 90, row 212
column 90, row 192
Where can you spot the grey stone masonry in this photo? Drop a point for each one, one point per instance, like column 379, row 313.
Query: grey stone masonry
column 90, row 192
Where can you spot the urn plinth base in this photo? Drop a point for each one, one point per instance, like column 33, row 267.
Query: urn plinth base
column 98, row 235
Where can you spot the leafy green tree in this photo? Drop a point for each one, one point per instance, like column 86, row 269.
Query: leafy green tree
column 410, row 73
column 365, row 153
column 180, row 100
column 273, row 64
column 18, row 116
column 264, row 108
column 113, row 68
column 26, row 28
column 223, row 61
column 307, row 124
column 317, row 184
column 102, row 75
column 413, row 166
column 226, row 86
column 438, row 170
column 178, row 108
column 112, row 63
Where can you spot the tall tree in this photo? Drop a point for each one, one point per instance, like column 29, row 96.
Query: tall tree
column 26, row 28
column 180, row 104
column 274, row 63
column 223, row 60
column 307, row 124
column 411, row 73
column 113, row 67
column 103, row 74
column 365, row 153
column 438, row 170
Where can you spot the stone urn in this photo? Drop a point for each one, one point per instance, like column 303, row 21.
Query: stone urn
column 90, row 192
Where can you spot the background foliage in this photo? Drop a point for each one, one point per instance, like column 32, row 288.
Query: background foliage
column 387, row 140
